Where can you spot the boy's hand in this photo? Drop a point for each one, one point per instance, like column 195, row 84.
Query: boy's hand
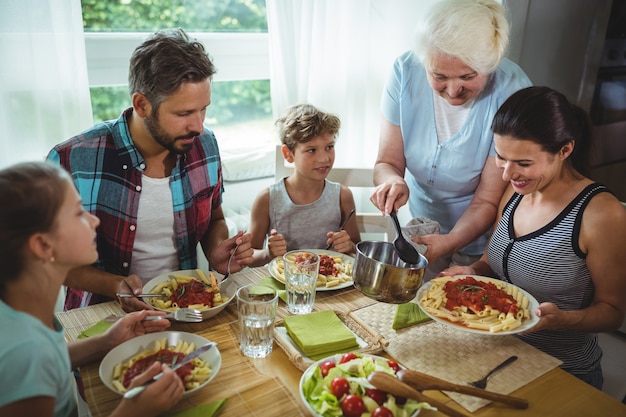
column 276, row 244
column 341, row 241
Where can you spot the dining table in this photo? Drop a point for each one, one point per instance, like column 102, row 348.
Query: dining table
column 270, row 386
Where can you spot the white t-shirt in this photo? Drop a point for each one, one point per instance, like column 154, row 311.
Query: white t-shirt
column 154, row 251
column 448, row 118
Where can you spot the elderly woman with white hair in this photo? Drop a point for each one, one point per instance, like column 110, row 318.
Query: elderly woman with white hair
column 437, row 109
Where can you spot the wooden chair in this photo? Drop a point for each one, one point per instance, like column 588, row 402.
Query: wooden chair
column 372, row 225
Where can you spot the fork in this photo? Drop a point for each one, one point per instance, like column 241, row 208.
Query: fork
column 482, row 383
column 230, row 259
column 182, row 314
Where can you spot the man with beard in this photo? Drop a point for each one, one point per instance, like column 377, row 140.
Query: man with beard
column 153, row 177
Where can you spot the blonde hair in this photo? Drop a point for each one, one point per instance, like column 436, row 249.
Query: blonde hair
column 474, row 31
column 300, row 123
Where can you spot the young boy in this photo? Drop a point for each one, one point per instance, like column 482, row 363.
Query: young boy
column 304, row 210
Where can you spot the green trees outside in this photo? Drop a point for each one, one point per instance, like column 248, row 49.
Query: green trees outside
column 233, row 101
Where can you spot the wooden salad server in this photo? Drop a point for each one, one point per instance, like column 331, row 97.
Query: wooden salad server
column 421, row 381
column 392, row 385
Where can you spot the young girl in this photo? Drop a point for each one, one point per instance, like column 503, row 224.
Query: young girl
column 45, row 233
column 304, row 210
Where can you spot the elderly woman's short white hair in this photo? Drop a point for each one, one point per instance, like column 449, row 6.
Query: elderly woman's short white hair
column 474, row 31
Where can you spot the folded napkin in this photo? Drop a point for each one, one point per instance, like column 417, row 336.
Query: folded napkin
column 203, row 410
column 407, row 315
column 98, row 328
column 420, row 226
column 279, row 286
column 320, row 334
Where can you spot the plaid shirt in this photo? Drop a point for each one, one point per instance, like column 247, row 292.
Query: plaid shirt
column 107, row 168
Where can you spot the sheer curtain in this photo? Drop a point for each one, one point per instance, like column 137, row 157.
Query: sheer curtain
column 337, row 55
column 44, row 90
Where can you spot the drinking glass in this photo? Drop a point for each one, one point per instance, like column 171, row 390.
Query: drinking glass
column 256, row 305
column 301, row 270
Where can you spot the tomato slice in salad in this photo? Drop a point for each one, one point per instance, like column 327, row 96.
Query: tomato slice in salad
column 316, row 387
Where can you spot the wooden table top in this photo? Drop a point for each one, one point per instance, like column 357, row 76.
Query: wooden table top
column 269, row 386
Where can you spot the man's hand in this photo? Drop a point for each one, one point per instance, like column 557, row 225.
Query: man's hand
column 132, row 285
column 243, row 255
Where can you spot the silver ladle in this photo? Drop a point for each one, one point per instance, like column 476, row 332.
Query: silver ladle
column 405, row 250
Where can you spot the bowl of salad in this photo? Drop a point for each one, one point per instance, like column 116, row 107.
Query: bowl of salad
column 338, row 386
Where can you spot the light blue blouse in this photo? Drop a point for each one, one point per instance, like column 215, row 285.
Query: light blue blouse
column 442, row 177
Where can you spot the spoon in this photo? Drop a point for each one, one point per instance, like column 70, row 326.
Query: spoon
column 389, row 383
column 405, row 250
column 421, row 382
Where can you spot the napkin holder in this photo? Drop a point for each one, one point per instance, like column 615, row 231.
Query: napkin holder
column 372, row 342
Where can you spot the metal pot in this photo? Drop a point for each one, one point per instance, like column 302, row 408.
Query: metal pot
column 380, row 274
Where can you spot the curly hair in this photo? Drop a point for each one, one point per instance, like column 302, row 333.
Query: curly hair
column 474, row 31
column 302, row 122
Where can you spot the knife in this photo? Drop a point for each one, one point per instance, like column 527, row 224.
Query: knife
column 191, row 356
column 342, row 225
column 128, row 295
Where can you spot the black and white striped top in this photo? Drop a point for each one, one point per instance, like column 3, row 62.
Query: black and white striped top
column 549, row 264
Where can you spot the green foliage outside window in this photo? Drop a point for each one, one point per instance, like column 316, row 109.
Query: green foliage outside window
column 233, row 101
column 191, row 15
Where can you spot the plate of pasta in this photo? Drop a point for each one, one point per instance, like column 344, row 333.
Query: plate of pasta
column 335, row 269
column 190, row 288
column 478, row 304
column 130, row 358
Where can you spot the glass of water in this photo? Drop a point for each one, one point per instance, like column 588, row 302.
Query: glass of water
column 256, row 305
column 301, row 270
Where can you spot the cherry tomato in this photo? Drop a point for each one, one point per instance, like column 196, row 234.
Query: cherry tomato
column 400, row 400
column 352, row 406
column 339, row 387
column 393, row 365
column 346, row 357
column 326, row 366
column 382, row 412
column 377, row 395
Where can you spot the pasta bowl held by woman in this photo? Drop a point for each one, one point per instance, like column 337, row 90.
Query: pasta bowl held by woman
column 127, row 359
column 191, row 288
column 379, row 273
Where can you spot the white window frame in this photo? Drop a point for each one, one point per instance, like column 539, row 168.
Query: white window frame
column 237, row 56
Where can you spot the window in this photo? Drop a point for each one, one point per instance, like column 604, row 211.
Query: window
column 235, row 35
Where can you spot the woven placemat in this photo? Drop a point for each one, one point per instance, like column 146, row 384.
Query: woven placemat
column 249, row 392
column 457, row 356
column 372, row 342
column 77, row 321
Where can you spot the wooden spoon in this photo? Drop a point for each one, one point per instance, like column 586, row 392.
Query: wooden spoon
column 421, row 381
column 389, row 383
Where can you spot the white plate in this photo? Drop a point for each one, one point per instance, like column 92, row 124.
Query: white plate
column 532, row 305
column 272, row 267
column 128, row 349
column 228, row 289
column 333, row 358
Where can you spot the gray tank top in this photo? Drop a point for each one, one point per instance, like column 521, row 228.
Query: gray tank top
column 305, row 226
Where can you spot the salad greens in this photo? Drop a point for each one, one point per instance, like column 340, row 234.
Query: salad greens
column 316, row 389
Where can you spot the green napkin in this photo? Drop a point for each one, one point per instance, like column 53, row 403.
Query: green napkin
column 279, row 286
column 407, row 315
column 320, row 334
column 204, row 410
column 98, row 328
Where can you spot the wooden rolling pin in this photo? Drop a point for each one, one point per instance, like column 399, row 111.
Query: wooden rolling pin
column 392, row 385
column 421, row 381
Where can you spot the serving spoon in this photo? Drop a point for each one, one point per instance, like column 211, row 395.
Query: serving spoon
column 389, row 383
column 421, row 382
column 405, row 250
